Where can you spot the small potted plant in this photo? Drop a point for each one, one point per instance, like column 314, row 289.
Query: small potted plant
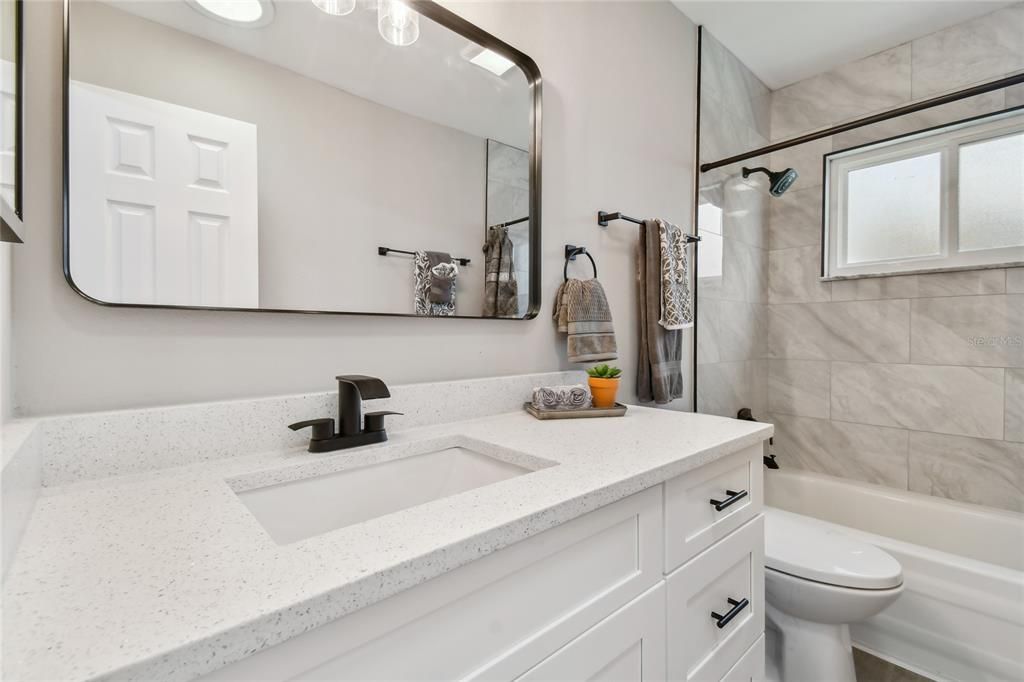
column 604, row 384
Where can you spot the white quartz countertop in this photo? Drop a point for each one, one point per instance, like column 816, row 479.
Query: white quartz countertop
column 166, row 575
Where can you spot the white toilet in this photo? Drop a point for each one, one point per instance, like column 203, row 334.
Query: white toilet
column 817, row 582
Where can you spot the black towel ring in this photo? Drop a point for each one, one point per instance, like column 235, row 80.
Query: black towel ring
column 570, row 254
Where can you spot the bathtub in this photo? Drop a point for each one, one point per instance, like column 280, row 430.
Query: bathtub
column 961, row 616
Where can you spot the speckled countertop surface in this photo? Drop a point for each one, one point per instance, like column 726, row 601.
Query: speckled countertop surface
column 166, row 575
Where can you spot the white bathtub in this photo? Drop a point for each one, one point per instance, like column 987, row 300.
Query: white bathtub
column 961, row 616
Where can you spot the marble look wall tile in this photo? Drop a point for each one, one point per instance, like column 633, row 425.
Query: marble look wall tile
column 742, row 330
column 1015, row 281
column 707, row 336
column 858, row 331
column 980, row 331
column 794, row 276
column 965, row 401
column 965, row 283
column 871, row 84
column 1015, row 95
column 745, row 211
column 987, row 472
column 863, row 453
column 744, row 272
column 805, row 159
column 947, row 113
column 795, row 220
column 733, row 85
column 799, row 387
column 970, row 52
column 724, row 387
column 1014, row 405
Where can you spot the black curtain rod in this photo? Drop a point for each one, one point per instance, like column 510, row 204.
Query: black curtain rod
column 603, row 217
column 384, row 250
column 868, row 120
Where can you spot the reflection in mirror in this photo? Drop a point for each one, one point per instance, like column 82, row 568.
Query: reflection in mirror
column 307, row 156
column 10, row 119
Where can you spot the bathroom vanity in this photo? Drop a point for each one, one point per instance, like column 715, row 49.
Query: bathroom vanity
column 492, row 547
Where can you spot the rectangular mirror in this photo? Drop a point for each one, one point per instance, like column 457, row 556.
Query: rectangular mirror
column 336, row 156
column 11, row 92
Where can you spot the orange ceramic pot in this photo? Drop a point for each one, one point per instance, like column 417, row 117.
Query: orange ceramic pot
column 603, row 390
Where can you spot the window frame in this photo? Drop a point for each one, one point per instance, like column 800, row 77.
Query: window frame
column 946, row 140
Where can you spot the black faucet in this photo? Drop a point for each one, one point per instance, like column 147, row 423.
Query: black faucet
column 353, row 429
column 745, row 414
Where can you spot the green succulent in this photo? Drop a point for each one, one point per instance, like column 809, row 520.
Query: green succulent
column 604, row 372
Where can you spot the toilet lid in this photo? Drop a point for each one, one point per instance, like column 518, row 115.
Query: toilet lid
column 801, row 547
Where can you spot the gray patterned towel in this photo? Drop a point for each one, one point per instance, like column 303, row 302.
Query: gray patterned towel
column 575, row 397
column 582, row 312
column 434, row 288
column 676, row 311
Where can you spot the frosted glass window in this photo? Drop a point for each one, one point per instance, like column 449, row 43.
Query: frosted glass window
column 894, row 210
column 992, row 193
column 709, row 219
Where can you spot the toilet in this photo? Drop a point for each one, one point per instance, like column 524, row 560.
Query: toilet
column 817, row 582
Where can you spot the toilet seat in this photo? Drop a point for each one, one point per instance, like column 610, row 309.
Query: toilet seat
column 801, row 548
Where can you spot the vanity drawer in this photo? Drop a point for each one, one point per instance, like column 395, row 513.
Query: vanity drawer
column 693, row 522
column 750, row 668
column 728, row 581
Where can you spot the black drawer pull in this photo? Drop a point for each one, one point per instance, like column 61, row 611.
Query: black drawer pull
column 733, row 497
column 737, row 606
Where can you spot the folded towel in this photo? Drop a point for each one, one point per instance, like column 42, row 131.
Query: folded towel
column 434, row 271
column 659, row 367
column 576, row 397
column 676, row 312
column 581, row 311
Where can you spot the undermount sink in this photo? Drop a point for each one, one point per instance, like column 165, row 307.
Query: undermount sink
column 303, row 508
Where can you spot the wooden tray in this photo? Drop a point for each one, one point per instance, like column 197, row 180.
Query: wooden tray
column 590, row 412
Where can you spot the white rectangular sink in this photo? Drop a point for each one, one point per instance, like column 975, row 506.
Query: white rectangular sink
column 307, row 507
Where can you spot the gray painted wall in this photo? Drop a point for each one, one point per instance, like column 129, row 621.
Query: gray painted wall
column 72, row 355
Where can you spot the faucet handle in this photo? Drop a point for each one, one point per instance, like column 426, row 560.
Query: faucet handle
column 374, row 421
column 323, row 429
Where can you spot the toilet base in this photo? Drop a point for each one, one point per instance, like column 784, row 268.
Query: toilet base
column 804, row 651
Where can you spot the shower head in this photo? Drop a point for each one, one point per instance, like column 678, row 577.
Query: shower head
column 778, row 182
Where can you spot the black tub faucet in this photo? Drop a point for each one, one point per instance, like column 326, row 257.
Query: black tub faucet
column 353, row 429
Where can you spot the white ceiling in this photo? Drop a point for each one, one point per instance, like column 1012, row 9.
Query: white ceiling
column 784, row 42
column 431, row 79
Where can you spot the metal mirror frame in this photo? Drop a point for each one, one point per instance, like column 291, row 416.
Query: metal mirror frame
column 435, row 12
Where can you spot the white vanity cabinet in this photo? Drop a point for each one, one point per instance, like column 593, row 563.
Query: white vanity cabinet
column 624, row 592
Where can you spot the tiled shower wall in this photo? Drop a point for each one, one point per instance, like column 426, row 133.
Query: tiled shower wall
column 732, row 284
column 914, row 382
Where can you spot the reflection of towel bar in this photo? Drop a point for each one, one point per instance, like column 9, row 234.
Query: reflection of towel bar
column 603, row 217
column 510, row 223
column 383, row 251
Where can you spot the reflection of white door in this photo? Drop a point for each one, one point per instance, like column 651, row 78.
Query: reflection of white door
column 8, row 110
column 163, row 202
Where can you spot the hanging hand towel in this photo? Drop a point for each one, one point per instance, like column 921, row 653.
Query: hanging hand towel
column 676, row 312
column 434, row 288
column 659, row 367
column 501, row 291
column 582, row 312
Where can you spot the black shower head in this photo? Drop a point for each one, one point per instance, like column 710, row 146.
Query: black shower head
column 779, row 181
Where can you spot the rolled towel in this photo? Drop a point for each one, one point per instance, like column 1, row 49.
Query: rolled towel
column 575, row 397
